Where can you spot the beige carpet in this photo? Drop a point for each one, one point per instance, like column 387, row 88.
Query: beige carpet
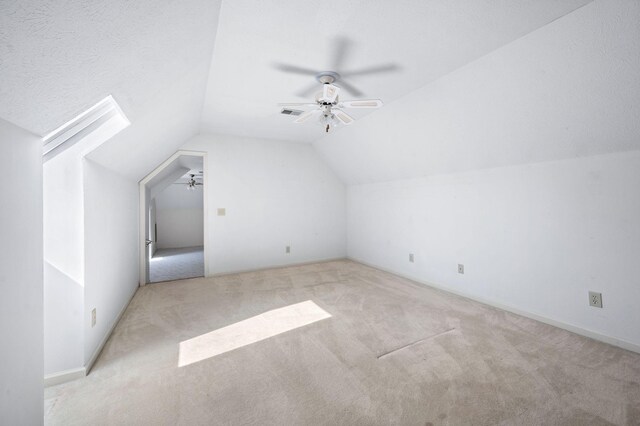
column 387, row 351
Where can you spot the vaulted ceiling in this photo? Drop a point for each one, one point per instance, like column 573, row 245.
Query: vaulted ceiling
column 424, row 40
column 570, row 89
column 466, row 84
column 58, row 58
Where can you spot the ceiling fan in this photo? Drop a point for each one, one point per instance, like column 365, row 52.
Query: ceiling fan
column 328, row 107
column 341, row 47
column 191, row 183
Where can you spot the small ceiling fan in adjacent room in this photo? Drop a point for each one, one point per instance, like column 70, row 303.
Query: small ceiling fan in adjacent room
column 191, row 183
column 327, row 107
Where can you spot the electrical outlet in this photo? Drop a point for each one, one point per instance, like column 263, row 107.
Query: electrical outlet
column 460, row 268
column 595, row 299
column 411, row 257
column 287, row 249
column 93, row 317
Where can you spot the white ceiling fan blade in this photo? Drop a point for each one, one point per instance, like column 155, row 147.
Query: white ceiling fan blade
column 365, row 103
column 330, row 93
column 307, row 115
column 344, row 118
column 298, row 104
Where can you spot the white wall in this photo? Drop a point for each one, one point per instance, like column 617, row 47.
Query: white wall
column 89, row 220
column 63, row 321
column 21, row 329
column 64, row 262
column 275, row 194
column 111, row 250
column 179, row 215
column 535, row 237
column 180, row 228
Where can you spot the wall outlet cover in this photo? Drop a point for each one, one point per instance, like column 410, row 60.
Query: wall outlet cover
column 595, row 299
column 287, row 249
column 222, row 212
column 411, row 257
column 460, row 268
column 93, row 317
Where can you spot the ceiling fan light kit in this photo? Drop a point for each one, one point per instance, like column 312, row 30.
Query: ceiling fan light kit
column 328, row 109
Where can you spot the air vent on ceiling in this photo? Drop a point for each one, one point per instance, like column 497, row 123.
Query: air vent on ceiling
column 287, row 111
column 82, row 126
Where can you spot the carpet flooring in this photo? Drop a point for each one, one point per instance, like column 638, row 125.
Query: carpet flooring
column 339, row 343
column 176, row 263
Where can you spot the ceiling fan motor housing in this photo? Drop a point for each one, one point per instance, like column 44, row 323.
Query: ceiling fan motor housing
column 327, row 77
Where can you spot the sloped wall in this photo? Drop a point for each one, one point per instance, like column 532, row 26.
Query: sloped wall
column 569, row 89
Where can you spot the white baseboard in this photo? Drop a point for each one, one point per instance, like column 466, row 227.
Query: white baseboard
column 563, row 325
column 267, row 268
column 89, row 365
column 80, row 372
column 64, row 376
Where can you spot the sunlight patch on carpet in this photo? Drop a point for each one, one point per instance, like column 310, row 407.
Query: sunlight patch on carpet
column 251, row 330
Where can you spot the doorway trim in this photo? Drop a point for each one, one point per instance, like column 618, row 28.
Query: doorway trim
column 142, row 260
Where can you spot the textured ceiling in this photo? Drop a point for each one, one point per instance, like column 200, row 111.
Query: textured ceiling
column 424, row 39
column 168, row 120
column 60, row 57
column 478, row 84
column 567, row 90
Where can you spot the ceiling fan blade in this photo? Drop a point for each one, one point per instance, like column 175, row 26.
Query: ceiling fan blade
column 340, row 49
column 298, row 104
column 364, row 103
column 372, row 70
column 294, row 69
column 307, row 91
column 330, row 92
column 349, row 88
column 344, row 118
column 307, row 115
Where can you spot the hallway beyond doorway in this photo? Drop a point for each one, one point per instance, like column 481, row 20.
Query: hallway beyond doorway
column 176, row 263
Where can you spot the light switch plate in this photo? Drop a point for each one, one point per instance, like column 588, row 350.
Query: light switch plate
column 460, row 268
column 411, row 257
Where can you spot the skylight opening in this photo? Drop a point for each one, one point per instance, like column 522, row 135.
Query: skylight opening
column 85, row 124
